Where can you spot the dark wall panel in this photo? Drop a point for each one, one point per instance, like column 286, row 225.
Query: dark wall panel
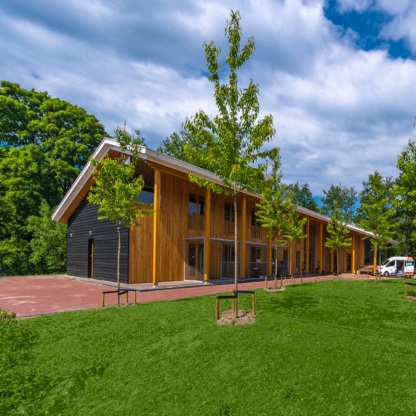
column 84, row 226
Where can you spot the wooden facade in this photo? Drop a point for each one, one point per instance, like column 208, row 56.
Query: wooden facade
column 190, row 234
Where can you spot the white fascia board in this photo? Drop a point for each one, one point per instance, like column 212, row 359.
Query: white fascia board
column 179, row 165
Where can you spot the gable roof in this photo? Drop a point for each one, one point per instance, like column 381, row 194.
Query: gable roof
column 81, row 186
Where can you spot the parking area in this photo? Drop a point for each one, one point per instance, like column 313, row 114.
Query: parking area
column 37, row 295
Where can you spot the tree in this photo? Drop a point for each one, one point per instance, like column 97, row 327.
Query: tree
column 174, row 146
column 302, row 196
column 231, row 143
column 338, row 233
column 376, row 213
column 271, row 207
column 405, row 198
column 343, row 199
column 44, row 142
column 117, row 187
column 291, row 227
column 48, row 243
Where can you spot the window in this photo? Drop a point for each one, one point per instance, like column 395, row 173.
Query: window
column 146, row 196
column 254, row 219
column 196, row 211
column 196, row 204
column 229, row 212
column 228, row 254
column 255, row 255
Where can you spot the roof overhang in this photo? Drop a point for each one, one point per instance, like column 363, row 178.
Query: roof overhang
column 83, row 182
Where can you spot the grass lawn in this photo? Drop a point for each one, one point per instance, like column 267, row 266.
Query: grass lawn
column 327, row 348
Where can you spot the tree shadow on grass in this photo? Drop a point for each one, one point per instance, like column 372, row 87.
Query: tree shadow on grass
column 293, row 302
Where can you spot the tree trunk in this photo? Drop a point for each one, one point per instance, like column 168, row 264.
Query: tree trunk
column 235, row 253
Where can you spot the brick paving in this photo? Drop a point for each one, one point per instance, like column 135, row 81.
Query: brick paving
column 38, row 295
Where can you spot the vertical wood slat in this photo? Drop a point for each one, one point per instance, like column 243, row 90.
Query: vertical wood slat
column 353, row 254
column 307, row 245
column 243, row 239
column 156, row 227
column 207, row 242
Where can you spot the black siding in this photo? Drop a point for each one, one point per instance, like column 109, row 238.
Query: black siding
column 104, row 233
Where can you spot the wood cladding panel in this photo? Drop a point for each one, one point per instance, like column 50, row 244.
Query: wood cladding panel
column 105, row 237
column 173, row 227
column 140, row 257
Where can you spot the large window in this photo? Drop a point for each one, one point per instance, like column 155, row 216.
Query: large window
column 228, row 253
column 196, row 211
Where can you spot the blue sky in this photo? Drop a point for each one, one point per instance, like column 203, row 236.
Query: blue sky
column 338, row 76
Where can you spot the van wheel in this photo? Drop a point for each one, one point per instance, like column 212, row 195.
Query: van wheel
column 386, row 274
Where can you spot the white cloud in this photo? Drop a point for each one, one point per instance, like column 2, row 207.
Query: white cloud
column 340, row 113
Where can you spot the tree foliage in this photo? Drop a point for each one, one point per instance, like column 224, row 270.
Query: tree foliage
column 48, row 243
column 292, row 226
column 271, row 207
column 338, row 233
column 405, row 198
column 44, row 142
column 117, row 187
column 231, row 143
column 302, row 196
column 341, row 198
column 376, row 212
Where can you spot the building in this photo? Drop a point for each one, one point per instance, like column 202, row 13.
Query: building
column 190, row 234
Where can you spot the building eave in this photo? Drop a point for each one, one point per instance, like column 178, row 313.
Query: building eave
column 166, row 161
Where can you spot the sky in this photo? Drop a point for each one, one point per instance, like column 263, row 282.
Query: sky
column 338, row 76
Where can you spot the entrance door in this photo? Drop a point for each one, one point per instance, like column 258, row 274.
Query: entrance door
column 91, row 257
column 195, row 261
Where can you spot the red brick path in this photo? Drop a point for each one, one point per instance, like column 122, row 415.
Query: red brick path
column 38, row 295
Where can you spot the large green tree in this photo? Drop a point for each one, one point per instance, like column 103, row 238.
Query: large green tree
column 117, row 187
column 405, row 199
column 376, row 212
column 232, row 142
column 48, row 243
column 44, row 142
column 302, row 196
column 341, row 198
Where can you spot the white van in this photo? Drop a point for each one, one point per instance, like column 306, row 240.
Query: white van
column 397, row 266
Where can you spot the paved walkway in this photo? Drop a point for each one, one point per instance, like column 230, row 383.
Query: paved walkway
column 38, row 295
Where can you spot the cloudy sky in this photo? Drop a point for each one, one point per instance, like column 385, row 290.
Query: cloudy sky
column 338, row 76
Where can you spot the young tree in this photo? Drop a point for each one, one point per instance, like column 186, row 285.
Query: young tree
column 231, row 143
column 292, row 226
column 117, row 187
column 338, row 234
column 376, row 213
column 343, row 199
column 271, row 207
column 302, row 196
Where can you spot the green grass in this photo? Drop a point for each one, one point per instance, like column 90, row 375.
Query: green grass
column 329, row 348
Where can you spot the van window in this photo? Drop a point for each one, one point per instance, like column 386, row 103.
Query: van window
column 391, row 263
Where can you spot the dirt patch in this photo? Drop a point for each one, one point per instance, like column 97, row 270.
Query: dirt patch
column 278, row 289
column 243, row 318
